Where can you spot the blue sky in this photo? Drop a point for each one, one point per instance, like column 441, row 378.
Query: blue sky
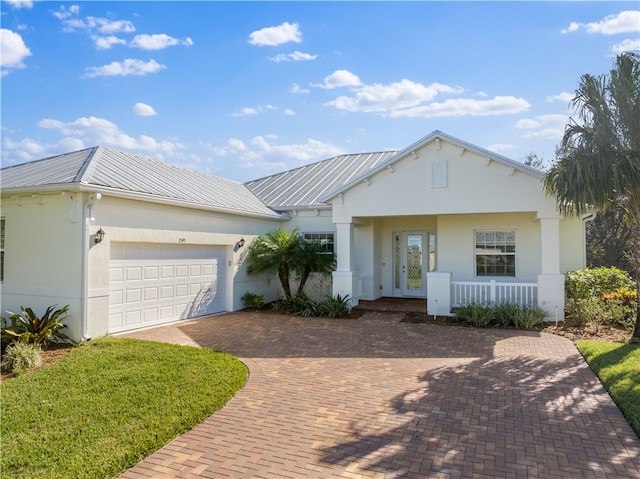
column 246, row 89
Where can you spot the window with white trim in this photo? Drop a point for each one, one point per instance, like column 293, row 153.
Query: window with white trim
column 495, row 253
column 324, row 241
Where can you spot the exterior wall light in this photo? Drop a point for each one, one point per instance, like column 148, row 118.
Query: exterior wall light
column 99, row 236
column 238, row 245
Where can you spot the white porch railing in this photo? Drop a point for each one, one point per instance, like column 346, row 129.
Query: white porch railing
column 482, row 292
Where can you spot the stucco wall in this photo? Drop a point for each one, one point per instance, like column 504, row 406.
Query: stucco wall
column 474, row 185
column 456, row 243
column 42, row 255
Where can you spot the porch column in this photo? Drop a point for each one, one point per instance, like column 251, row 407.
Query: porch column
column 550, row 280
column 343, row 277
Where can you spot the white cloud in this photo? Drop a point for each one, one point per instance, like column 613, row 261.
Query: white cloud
column 457, row 107
column 549, row 127
column 142, row 109
column 100, row 131
column 264, row 153
column 102, row 25
column 158, row 41
column 339, row 78
column 20, row 3
column 249, row 111
column 564, row 97
column 64, row 12
column 13, row 50
column 125, row 68
column 105, row 43
column 623, row 22
column 395, row 96
column 289, row 112
column 627, row 45
column 272, row 36
column 293, row 57
column 500, row 147
column 295, row 88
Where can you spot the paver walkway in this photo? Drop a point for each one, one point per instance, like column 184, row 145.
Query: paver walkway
column 376, row 398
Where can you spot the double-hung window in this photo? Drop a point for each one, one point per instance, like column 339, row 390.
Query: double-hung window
column 324, row 241
column 495, row 253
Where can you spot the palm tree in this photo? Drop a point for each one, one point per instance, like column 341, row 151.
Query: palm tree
column 286, row 253
column 598, row 162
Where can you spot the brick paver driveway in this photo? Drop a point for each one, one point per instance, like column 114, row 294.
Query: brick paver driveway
column 374, row 397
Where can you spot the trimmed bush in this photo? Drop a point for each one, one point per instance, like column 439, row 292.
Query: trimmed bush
column 253, row 301
column 528, row 317
column 505, row 312
column 20, row 357
column 595, row 282
column 479, row 315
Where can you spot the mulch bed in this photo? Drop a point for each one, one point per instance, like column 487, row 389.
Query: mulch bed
column 566, row 328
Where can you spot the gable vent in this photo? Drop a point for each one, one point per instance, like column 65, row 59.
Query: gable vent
column 439, row 174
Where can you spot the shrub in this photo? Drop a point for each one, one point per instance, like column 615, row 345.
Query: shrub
column 624, row 295
column 300, row 305
column 527, row 317
column 595, row 282
column 594, row 310
column 20, row 357
column 31, row 329
column 505, row 312
column 336, row 307
column 253, row 301
column 479, row 315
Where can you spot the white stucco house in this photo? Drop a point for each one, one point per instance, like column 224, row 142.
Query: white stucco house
column 441, row 219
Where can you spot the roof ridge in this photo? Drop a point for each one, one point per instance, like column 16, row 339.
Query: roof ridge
column 89, row 165
column 319, row 162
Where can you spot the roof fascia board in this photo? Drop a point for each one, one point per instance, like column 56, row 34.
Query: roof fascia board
column 419, row 144
column 81, row 187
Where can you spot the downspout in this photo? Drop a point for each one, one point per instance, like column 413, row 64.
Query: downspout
column 585, row 220
column 87, row 218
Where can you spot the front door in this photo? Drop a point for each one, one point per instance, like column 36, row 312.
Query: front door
column 413, row 266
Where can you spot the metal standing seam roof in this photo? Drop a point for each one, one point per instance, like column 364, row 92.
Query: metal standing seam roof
column 125, row 172
column 303, row 187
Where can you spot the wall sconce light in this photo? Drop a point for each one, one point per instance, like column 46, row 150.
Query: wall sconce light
column 238, row 245
column 99, row 236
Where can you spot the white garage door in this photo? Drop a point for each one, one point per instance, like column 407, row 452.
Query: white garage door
column 152, row 284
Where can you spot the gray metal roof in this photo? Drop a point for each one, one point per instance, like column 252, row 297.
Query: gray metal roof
column 123, row 172
column 436, row 134
column 303, row 187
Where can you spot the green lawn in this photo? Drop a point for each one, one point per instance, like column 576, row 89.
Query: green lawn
column 108, row 404
column 618, row 367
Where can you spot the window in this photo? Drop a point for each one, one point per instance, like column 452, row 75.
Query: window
column 495, row 253
column 324, row 241
column 1, row 249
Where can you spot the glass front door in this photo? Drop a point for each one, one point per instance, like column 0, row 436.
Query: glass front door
column 412, row 264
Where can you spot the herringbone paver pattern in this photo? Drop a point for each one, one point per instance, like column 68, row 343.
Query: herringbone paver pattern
column 376, row 398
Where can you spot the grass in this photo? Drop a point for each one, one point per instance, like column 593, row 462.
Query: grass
column 618, row 367
column 108, row 404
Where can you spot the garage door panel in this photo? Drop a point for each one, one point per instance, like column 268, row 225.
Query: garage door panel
column 182, row 290
column 132, row 318
column 155, row 284
column 133, row 295
column 151, row 294
column 182, row 271
column 167, row 272
column 166, row 292
column 151, row 272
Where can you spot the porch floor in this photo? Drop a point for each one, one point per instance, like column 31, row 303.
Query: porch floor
column 401, row 305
